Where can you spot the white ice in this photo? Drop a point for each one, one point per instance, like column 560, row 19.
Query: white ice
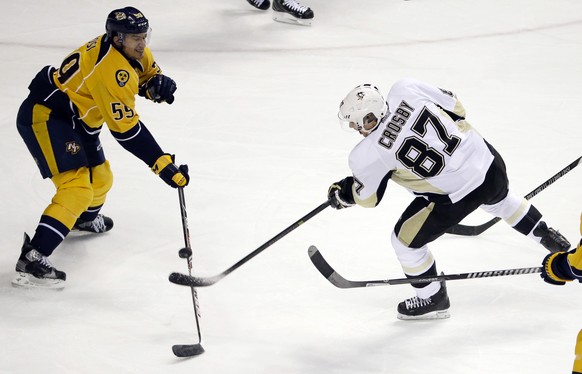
column 254, row 118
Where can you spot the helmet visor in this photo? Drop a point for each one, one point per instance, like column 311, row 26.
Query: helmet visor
column 365, row 126
column 144, row 37
column 345, row 124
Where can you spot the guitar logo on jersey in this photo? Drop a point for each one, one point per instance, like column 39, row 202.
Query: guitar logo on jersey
column 72, row 147
column 122, row 77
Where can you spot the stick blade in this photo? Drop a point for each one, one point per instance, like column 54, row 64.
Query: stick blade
column 187, row 350
column 328, row 272
column 464, row 230
column 180, row 279
column 190, row 281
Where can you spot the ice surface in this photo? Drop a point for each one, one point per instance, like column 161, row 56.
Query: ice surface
column 254, row 118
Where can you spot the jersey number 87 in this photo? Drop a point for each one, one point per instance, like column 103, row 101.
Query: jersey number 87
column 417, row 155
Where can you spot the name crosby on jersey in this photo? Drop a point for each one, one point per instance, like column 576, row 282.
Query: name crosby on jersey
column 394, row 126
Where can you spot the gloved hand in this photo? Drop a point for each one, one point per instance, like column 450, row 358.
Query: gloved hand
column 158, row 89
column 340, row 194
column 549, row 269
column 173, row 175
column 561, row 267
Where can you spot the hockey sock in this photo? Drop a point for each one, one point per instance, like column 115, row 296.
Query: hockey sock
column 49, row 234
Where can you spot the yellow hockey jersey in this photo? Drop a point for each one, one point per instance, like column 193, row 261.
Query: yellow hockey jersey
column 102, row 83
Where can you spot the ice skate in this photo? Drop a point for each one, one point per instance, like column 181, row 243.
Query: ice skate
column 260, row 4
column 34, row 270
column 434, row 307
column 99, row 225
column 291, row 11
column 552, row 240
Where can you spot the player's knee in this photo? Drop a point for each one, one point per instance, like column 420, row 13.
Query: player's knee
column 411, row 259
column 102, row 180
column 74, row 191
column 512, row 209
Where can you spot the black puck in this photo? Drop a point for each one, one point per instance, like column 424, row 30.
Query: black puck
column 185, row 252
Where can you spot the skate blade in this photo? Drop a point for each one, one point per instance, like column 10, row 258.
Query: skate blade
column 441, row 314
column 289, row 19
column 78, row 233
column 25, row 280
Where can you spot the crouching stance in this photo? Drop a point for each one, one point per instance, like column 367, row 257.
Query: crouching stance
column 60, row 122
column 419, row 139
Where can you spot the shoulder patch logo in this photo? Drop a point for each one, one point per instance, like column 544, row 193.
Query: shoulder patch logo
column 122, row 77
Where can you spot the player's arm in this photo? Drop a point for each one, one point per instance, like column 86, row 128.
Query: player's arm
column 349, row 192
column 117, row 103
column 371, row 174
column 140, row 142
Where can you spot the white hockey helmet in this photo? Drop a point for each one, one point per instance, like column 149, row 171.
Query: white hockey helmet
column 358, row 107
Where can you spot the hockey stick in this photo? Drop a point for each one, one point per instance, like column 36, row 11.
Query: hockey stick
column 189, row 280
column 476, row 230
column 188, row 350
column 337, row 280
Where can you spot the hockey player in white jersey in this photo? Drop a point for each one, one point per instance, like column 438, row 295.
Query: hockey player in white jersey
column 419, row 139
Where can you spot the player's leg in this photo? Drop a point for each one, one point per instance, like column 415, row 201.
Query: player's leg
column 421, row 223
column 91, row 220
column 413, row 231
column 291, row 11
column 59, row 155
column 260, row 4
column 518, row 212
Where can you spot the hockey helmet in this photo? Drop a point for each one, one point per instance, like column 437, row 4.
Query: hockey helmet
column 361, row 106
column 126, row 20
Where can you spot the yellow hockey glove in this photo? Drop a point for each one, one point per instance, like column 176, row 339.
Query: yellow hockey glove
column 553, row 271
column 173, row 175
column 561, row 267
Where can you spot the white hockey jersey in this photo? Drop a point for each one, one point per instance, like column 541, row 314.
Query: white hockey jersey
column 423, row 144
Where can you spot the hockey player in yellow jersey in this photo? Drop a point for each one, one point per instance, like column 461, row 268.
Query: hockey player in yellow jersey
column 559, row 268
column 60, row 122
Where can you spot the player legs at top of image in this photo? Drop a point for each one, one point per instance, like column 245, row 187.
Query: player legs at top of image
column 291, row 11
column 419, row 138
column 260, row 4
column 286, row 11
column 60, row 122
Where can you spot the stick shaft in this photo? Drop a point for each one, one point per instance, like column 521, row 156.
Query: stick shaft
column 339, row 281
column 189, row 280
column 186, row 231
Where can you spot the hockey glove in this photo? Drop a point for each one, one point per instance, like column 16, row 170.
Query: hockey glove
column 173, row 175
column 340, row 194
column 561, row 267
column 158, row 89
column 553, row 272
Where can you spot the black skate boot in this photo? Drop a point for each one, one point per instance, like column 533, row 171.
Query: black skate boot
column 552, row 240
column 100, row 224
column 260, row 4
column 35, row 270
column 435, row 307
column 291, row 11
